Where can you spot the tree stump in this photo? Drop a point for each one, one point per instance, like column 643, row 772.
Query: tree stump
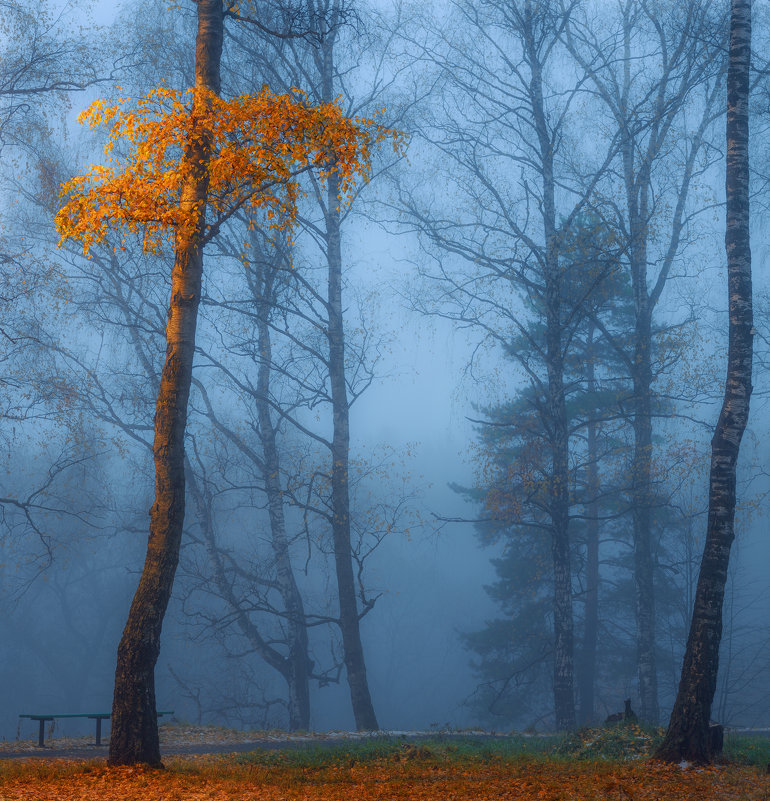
column 716, row 738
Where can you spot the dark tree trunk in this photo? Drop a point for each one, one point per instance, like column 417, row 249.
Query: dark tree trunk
column 587, row 675
column 563, row 689
column 355, row 666
column 134, row 735
column 637, row 182
column 641, row 491
column 688, row 734
column 558, row 501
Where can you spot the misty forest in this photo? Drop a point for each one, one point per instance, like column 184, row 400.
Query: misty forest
column 385, row 366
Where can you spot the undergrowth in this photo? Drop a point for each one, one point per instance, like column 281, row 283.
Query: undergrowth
column 618, row 744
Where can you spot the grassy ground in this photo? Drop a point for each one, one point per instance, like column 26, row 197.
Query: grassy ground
column 590, row 764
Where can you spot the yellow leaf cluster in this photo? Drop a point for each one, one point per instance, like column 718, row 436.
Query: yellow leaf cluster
column 259, row 145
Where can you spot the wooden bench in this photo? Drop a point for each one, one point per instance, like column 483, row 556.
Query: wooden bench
column 97, row 716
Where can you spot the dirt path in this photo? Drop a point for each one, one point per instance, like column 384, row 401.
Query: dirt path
column 100, row 751
column 79, row 749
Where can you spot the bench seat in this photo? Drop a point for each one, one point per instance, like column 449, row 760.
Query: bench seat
column 97, row 716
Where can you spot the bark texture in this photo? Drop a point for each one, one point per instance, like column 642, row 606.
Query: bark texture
column 688, row 730
column 134, row 737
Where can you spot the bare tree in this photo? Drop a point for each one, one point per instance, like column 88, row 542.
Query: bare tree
column 687, row 736
column 504, row 130
column 43, row 60
column 314, row 64
column 659, row 75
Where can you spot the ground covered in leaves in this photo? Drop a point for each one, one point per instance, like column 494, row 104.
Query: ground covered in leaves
column 591, row 764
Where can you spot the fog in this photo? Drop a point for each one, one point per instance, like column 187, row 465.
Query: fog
column 447, row 307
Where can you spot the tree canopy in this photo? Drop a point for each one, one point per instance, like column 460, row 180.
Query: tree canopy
column 261, row 145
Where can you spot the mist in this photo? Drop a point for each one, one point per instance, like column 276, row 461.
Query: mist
column 535, row 325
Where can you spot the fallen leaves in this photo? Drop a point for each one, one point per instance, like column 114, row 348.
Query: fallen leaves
column 416, row 778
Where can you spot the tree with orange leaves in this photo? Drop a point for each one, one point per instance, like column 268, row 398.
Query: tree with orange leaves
column 191, row 166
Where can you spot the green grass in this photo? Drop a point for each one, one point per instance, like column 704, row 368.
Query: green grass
column 399, row 748
column 746, row 750
column 602, row 744
column 611, row 744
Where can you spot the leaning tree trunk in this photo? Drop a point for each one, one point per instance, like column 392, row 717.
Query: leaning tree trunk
column 134, row 735
column 688, row 730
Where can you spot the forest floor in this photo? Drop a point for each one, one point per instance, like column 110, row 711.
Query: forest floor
column 611, row 764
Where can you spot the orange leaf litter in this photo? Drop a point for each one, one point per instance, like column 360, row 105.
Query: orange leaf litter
column 195, row 779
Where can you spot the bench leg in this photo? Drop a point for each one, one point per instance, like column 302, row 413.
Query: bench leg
column 98, row 731
column 41, row 733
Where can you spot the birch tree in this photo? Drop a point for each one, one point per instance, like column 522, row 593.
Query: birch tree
column 278, row 138
column 687, row 736
column 323, row 64
column 658, row 74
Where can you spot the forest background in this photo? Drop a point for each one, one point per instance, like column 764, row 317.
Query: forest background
column 453, row 639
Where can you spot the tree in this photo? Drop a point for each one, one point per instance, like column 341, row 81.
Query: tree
column 517, row 194
column 363, row 708
column 687, row 736
column 134, row 733
column 246, row 151
column 514, row 476
column 667, row 52
column 258, row 304
column 314, row 64
column 41, row 63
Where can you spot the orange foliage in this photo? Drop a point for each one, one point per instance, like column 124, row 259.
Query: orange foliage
column 261, row 143
column 400, row 780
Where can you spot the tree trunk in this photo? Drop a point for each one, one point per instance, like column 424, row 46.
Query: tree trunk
column 297, row 662
column 637, row 184
column 558, row 501
column 563, row 689
column 641, row 476
column 688, row 730
column 363, row 709
column 587, row 676
column 134, row 735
